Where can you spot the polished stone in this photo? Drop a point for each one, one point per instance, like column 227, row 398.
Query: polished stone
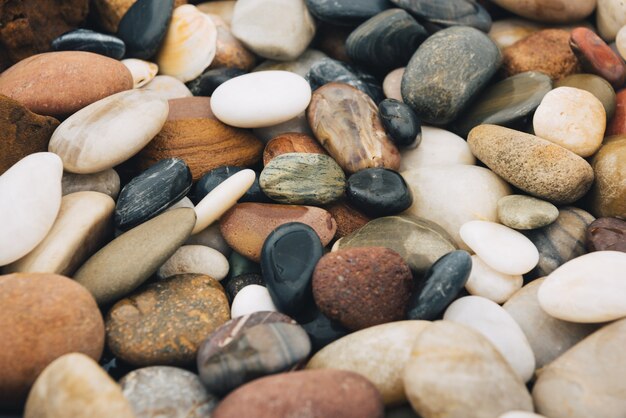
column 328, row 70
column 526, row 212
column 597, row 57
column 144, row 25
column 401, row 123
column 90, row 41
column 378, row 192
column 213, row 178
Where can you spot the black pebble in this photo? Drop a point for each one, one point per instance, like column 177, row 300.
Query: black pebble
column 90, row 41
column 143, row 27
column 213, row 178
column 378, row 192
column 206, row 83
column 400, row 122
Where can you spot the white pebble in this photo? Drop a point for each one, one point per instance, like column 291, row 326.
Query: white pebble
column 493, row 285
column 252, row 298
column 195, row 259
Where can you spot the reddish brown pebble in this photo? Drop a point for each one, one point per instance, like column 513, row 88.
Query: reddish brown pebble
column 61, row 83
column 617, row 125
column 348, row 219
column 607, row 234
column 597, row 57
column 194, row 134
column 246, row 225
column 362, row 287
column 321, row 393
column 42, row 317
column 547, row 51
column 229, row 52
column 291, row 142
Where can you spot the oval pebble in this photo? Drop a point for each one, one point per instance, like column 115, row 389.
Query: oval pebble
column 491, row 284
column 252, row 298
column 526, row 212
column 438, row 147
column 195, row 259
column 378, row 192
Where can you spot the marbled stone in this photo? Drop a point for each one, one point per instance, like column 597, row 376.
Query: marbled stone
column 168, row 87
column 252, row 298
column 491, row 284
column 90, row 41
column 53, row 310
column 300, row 65
column 113, row 272
column 301, row 178
column 526, row 212
column 443, row 14
column 595, row 85
column 441, row 284
column 143, row 72
column 348, row 218
column 106, row 182
column 213, row 178
column 378, row 192
column 206, row 83
column 346, row 122
column 346, row 12
column 109, row 131
column 444, row 357
column 437, row 147
column 550, row 11
column 229, row 52
column 163, row 391
column 608, row 195
column 195, row 259
column 289, row 143
column 439, row 86
column 597, row 57
column 606, row 234
column 535, row 165
column 328, row 70
column 401, row 123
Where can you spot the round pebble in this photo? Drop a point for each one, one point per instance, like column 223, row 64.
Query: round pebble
column 252, row 298
column 378, row 192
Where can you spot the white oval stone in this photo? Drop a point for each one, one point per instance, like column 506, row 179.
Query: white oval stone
column 109, row 131
column 30, row 199
column 451, row 195
column 610, row 18
column 572, row 118
column 195, row 259
column 495, row 324
column 252, row 298
column 142, row 71
column 590, row 288
column 168, row 87
column 500, row 247
column 260, row 99
column 438, row 147
column 222, row 198
column 493, row 285
column 107, row 182
column 379, row 353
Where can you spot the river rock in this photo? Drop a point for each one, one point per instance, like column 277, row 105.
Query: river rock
column 445, row 14
column 168, row 87
column 476, row 190
column 379, row 353
column 30, row 192
column 491, row 284
column 328, row 70
column 535, row 165
column 609, row 166
column 143, row 27
column 74, row 385
column 229, row 52
column 548, row 11
column 401, row 123
column 323, row 393
column 113, row 272
column 597, row 57
column 610, row 18
column 82, row 226
column 444, row 356
column 438, row 147
column 496, row 325
column 106, row 182
column 108, row 132
column 252, row 298
column 247, row 225
column 526, row 212
column 378, row 192
column 606, row 234
column 300, row 65
column 595, row 85
column 34, row 82
column 348, row 219
column 346, row 12
column 53, row 310
column 439, row 89
column 289, row 143
column 90, row 41
column 195, row 259
column 346, row 122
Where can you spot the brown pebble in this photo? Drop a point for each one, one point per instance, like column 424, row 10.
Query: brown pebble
column 291, row 142
column 608, row 196
column 229, row 51
column 362, row 287
column 348, row 219
column 597, row 57
column 607, row 234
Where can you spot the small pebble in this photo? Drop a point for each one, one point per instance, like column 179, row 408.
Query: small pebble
column 526, row 212
column 378, row 192
column 491, row 284
column 195, row 259
column 252, row 298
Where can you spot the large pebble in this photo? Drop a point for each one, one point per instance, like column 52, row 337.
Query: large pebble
column 438, row 147
column 444, row 358
column 608, row 196
column 109, row 131
column 30, row 199
column 539, row 167
column 195, row 259
column 496, row 325
column 550, row 11
column 606, row 234
column 526, row 212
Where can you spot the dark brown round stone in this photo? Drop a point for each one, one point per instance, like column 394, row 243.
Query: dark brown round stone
column 362, row 287
column 607, row 234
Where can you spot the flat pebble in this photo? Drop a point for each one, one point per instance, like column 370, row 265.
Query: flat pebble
column 526, row 212
column 491, row 284
column 195, row 259
column 252, row 298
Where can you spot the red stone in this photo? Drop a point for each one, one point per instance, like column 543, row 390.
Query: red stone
column 597, row 57
column 617, row 125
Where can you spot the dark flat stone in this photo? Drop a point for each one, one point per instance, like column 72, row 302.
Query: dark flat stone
column 346, row 12
column 90, row 41
column 378, row 192
column 446, row 13
column 208, row 81
column 401, row 123
column 213, row 178
column 143, row 27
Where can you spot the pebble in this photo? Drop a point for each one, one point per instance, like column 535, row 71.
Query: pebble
column 321, row 330
column 617, row 125
column 189, row 45
column 271, row 97
column 222, row 8
column 597, row 57
column 213, row 178
column 348, row 219
column 288, row 258
column 346, row 122
column 418, row 241
column 505, row 32
column 298, row 124
column 143, row 72
column 401, row 123
column 438, row 147
column 476, row 192
column 606, row 234
column 328, row 70
column 587, row 379
column 210, row 237
column 610, row 18
column 547, row 51
column 300, row 65
column 303, row 179
column 535, row 165
column 561, row 241
column 279, row 29
column 144, row 25
column 74, row 385
column 229, row 52
column 317, row 393
column 165, row 322
column 444, row 357
column 252, row 298
column 82, row 226
column 195, row 259
column 438, row 87
column 620, row 41
column 609, row 166
column 448, row 13
column 113, row 272
column 595, row 85
column 234, row 284
column 549, row 337
column 108, row 132
column 441, row 285
column 379, row 353
column 168, row 87
column 30, row 199
column 53, row 310
column 346, row 12
column 491, row 284
column 572, row 118
column 90, row 41
column 247, row 225
column 152, row 192
column 378, row 192
column 206, row 83
column 291, row 142
column 106, row 182
column 258, row 351
column 526, row 212
column 362, row 287
column 549, row 12
column 164, row 391
column 392, row 84
column 496, row 325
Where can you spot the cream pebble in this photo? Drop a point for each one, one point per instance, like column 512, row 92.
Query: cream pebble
column 143, row 72
column 195, row 259
column 252, row 298
column 493, row 285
